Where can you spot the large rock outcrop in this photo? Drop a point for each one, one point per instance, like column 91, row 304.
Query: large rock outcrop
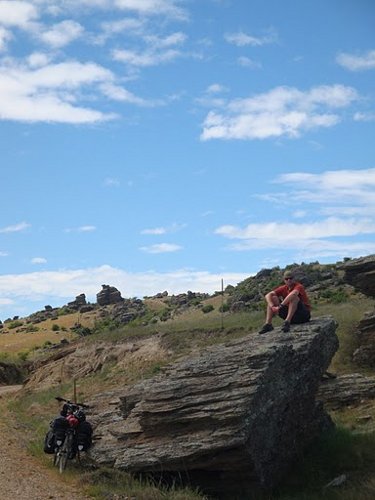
column 108, row 295
column 361, row 274
column 234, row 416
column 346, row 390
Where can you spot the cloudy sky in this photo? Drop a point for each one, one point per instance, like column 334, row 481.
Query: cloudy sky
column 168, row 144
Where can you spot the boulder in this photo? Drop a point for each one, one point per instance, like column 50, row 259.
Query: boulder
column 78, row 302
column 360, row 273
column 231, row 418
column 108, row 295
column 345, row 390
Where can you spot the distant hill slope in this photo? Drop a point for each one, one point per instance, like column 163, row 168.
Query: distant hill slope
column 322, row 281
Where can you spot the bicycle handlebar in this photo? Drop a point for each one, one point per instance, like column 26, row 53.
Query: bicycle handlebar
column 60, row 399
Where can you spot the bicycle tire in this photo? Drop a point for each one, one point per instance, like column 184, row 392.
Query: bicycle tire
column 56, row 458
column 65, row 452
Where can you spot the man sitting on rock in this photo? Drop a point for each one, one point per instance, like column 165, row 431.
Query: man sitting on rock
column 289, row 301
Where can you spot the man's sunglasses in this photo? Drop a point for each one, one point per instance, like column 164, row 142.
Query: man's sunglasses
column 288, row 279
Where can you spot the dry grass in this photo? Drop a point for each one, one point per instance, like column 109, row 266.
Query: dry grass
column 19, row 339
column 14, row 343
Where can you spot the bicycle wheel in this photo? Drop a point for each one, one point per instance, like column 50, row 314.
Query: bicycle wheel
column 65, row 452
column 56, row 457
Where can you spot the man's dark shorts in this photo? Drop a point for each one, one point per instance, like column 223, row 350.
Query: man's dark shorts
column 302, row 314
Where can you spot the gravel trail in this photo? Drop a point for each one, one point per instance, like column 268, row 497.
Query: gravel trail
column 21, row 475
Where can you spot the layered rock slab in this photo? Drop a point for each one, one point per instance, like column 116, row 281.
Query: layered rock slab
column 360, row 273
column 233, row 415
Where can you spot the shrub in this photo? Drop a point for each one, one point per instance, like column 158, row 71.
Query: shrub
column 207, row 308
column 31, row 329
column 14, row 324
column 55, row 328
column 224, row 308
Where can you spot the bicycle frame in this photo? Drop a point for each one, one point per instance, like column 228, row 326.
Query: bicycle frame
column 67, row 446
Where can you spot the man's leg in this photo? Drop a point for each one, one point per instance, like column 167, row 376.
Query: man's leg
column 267, row 327
column 287, row 312
column 292, row 308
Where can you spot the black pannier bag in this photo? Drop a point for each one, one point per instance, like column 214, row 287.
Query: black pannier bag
column 49, row 442
column 59, row 428
column 84, row 436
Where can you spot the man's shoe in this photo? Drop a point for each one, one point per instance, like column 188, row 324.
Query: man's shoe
column 265, row 328
column 286, row 327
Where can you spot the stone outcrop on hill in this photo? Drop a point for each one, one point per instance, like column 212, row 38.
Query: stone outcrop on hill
column 78, row 303
column 345, row 390
column 128, row 310
column 360, row 273
column 108, row 295
column 232, row 416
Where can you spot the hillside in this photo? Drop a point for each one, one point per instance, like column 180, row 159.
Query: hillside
column 78, row 318
column 103, row 347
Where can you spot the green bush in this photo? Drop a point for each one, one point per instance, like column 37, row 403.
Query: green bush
column 207, row 308
column 32, row 329
column 55, row 328
column 335, row 296
column 224, row 308
column 14, row 324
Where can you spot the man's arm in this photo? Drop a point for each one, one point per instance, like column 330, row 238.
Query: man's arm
column 271, row 298
column 290, row 297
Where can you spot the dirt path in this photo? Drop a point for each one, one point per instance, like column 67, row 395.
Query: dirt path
column 22, row 476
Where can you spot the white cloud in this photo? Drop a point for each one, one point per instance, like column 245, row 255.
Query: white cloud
column 246, row 62
column 309, row 249
column 38, row 59
column 338, row 192
column 168, row 8
column 81, row 229
column 50, row 93
column 355, row 62
column 332, row 179
column 216, row 88
column 17, row 13
column 15, row 228
column 290, row 231
column 38, row 260
column 58, row 287
column 353, row 187
column 161, row 248
column 111, row 182
column 62, row 34
column 242, row 39
column 364, row 117
column 154, row 231
column 158, row 50
column 147, row 58
column 5, row 36
column 4, row 254
column 120, row 94
column 283, row 111
column 345, row 196
column 164, row 230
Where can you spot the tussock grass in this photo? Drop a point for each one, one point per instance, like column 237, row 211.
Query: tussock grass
column 100, row 482
column 336, row 453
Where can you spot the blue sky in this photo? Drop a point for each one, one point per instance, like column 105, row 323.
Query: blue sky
column 168, row 144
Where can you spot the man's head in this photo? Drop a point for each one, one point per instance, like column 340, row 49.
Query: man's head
column 288, row 277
